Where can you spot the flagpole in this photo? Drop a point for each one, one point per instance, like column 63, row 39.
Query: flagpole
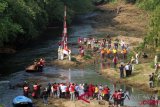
column 64, row 39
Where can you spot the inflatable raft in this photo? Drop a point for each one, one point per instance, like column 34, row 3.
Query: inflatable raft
column 22, row 101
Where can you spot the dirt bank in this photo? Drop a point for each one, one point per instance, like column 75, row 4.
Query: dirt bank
column 7, row 51
column 131, row 21
column 76, row 62
column 67, row 103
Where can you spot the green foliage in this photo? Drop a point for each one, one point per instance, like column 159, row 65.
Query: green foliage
column 140, row 47
column 152, row 65
column 86, row 57
column 148, row 4
column 158, row 57
column 73, row 59
column 153, row 36
column 130, row 1
column 78, row 6
column 129, row 56
column 8, row 29
column 23, row 20
column 3, row 6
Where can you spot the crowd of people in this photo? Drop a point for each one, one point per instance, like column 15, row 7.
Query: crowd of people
column 112, row 51
column 74, row 92
column 105, row 47
column 109, row 50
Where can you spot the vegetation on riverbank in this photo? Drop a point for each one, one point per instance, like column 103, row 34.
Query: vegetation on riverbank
column 152, row 39
column 24, row 20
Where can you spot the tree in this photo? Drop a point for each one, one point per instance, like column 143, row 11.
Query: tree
column 23, row 20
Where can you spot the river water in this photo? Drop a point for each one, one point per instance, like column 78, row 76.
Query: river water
column 13, row 66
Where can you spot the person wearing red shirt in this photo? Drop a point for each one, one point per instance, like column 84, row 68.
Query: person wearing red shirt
column 55, row 90
column 90, row 90
column 114, row 96
column 119, row 97
column 35, row 91
column 72, row 92
column 106, row 93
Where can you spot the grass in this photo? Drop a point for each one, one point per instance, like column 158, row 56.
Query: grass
column 139, row 77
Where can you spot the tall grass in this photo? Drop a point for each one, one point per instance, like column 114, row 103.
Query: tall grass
column 149, row 5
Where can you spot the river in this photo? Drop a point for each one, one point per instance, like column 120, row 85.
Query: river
column 13, row 65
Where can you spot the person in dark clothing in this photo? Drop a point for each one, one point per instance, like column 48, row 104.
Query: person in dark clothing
column 108, row 94
column 151, row 78
column 86, row 87
column 123, row 96
column 26, row 90
column 145, row 55
column 130, row 69
column 121, row 68
column 49, row 89
column 153, row 75
column 45, row 96
column 39, row 90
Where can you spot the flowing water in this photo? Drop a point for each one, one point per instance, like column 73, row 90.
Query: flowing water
column 13, row 66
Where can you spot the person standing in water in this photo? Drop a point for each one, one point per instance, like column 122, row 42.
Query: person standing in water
column 115, row 60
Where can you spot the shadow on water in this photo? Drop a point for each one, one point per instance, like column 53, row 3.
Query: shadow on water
column 41, row 47
column 47, row 47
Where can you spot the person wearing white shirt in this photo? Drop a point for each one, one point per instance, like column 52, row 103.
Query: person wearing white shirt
column 63, row 89
column 122, row 44
column 127, row 69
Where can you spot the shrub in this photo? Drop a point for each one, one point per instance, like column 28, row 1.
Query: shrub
column 86, row 57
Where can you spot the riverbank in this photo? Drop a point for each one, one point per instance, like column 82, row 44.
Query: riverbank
column 53, row 102
column 7, row 51
column 76, row 62
column 129, row 25
column 139, row 78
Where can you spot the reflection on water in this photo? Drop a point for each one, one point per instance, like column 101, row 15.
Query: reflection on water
column 86, row 75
